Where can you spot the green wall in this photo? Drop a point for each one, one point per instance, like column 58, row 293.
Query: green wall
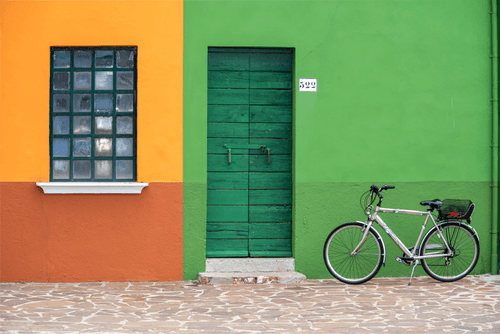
column 403, row 99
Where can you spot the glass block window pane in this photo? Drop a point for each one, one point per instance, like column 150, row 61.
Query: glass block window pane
column 82, row 80
column 60, row 147
column 125, row 59
column 81, row 147
column 103, row 102
column 124, row 80
column 103, row 169
column 82, row 102
column 81, row 125
column 124, row 147
column 83, row 59
column 61, row 125
column 93, row 113
column 60, row 102
column 62, row 59
column 124, row 169
column 104, row 80
column 124, row 125
column 61, row 80
column 103, row 59
column 60, row 169
column 103, row 125
column 103, row 147
column 81, row 169
column 124, row 102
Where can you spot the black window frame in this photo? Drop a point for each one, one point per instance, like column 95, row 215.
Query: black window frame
column 93, row 113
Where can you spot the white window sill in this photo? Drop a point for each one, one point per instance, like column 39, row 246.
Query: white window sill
column 92, row 187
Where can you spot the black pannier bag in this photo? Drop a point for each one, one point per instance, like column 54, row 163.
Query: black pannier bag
column 461, row 209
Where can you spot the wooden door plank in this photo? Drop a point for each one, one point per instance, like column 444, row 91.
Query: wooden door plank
column 229, row 79
column 271, row 62
column 249, row 50
column 227, row 247
column 227, row 213
column 270, row 130
column 227, row 230
column 238, row 96
column 261, row 96
column 227, row 197
column 269, row 230
column 228, row 61
column 271, row 114
column 271, row 213
column 270, row 80
column 229, row 180
column 260, row 253
column 220, row 163
column 228, row 114
column 278, row 163
column 267, row 246
column 278, row 146
column 270, row 181
column 270, row 197
column 234, row 130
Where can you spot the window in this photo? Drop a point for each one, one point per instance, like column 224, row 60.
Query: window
column 93, row 113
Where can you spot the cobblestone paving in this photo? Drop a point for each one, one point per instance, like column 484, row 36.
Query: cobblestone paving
column 321, row 306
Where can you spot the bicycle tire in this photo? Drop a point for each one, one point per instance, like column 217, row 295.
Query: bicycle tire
column 355, row 269
column 464, row 244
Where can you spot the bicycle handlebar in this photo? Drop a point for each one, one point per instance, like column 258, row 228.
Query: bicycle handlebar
column 375, row 189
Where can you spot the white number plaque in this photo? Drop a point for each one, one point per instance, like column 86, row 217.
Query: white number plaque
column 308, row 85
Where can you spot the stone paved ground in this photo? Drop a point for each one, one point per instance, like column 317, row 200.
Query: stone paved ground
column 319, row 306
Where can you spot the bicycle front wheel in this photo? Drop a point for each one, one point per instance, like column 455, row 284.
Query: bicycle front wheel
column 464, row 246
column 348, row 268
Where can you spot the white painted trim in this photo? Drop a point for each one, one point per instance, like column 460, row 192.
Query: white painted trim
column 92, row 187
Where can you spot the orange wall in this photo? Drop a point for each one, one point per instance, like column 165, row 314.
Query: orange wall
column 63, row 238
column 30, row 28
column 74, row 238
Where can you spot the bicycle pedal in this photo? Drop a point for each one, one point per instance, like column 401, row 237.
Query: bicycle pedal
column 405, row 262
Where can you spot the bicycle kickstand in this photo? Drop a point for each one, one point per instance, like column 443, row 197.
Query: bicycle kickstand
column 412, row 271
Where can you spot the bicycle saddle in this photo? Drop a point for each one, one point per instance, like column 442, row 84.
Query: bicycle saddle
column 434, row 204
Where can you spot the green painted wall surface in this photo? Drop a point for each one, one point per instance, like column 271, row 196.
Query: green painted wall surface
column 323, row 206
column 403, row 98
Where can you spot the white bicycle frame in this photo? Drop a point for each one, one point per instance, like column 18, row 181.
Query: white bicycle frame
column 410, row 254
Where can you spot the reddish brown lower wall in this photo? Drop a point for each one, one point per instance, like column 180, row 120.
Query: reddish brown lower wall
column 74, row 238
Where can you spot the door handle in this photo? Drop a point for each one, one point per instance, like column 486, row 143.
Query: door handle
column 247, row 147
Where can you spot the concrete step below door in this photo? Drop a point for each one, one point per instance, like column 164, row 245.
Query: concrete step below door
column 250, row 271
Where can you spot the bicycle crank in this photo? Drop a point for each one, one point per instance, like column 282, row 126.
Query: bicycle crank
column 404, row 259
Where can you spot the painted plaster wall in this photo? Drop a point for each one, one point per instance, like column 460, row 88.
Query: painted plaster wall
column 90, row 237
column 403, row 98
column 84, row 238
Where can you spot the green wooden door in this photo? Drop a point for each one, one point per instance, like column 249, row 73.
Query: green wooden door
column 249, row 206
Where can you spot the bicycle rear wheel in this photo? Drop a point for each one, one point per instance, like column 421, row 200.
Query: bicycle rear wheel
column 464, row 245
column 358, row 268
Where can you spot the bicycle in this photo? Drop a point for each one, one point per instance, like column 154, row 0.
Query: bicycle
column 354, row 252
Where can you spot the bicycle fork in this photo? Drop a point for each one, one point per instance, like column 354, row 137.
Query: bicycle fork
column 363, row 238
